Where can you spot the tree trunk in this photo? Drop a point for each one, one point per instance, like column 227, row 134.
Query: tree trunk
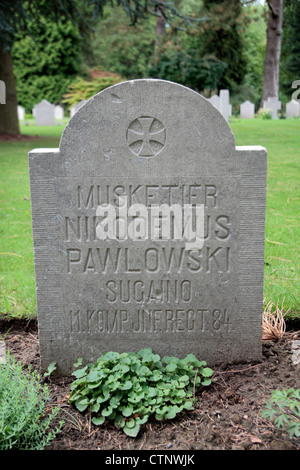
column 9, row 122
column 159, row 31
column 272, row 59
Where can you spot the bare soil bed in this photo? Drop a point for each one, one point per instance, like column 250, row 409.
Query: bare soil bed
column 227, row 416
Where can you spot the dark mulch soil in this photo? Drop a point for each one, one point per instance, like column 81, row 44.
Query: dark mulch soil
column 227, row 416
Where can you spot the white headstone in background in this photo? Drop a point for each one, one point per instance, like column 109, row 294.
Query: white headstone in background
column 224, row 103
column 76, row 106
column 21, row 113
column 221, row 103
column 274, row 104
column 293, row 108
column 2, row 92
column 247, row 110
column 215, row 101
column 33, row 110
column 59, row 112
column 45, row 113
column 2, row 352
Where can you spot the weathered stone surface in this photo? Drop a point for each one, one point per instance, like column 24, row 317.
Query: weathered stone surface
column 155, row 142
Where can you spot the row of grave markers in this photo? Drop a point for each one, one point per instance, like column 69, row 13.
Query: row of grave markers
column 247, row 109
column 46, row 113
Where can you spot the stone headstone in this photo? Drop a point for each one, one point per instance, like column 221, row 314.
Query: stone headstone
column 21, row 113
column 2, row 352
column 247, row 110
column 293, row 108
column 215, row 101
column 274, row 105
column 59, row 112
column 44, row 113
column 2, row 92
column 224, row 104
column 158, row 156
column 76, row 107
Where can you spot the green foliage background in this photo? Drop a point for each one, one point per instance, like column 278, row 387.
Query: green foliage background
column 46, row 62
column 222, row 46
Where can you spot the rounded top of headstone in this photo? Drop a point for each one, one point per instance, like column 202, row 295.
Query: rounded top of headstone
column 43, row 103
column 148, row 125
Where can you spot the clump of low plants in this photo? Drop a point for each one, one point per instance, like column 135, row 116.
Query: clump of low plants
column 273, row 325
column 128, row 388
column 283, row 409
column 264, row 113
column 25, row 416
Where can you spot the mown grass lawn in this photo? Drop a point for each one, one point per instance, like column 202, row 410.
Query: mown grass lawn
column 281, row 139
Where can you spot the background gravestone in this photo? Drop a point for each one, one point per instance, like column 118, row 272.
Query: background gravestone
column 21, row 113
column 274, row 105
column 221, row 103
column 215, row 101
column 59, row 112
column 247, row 110
column 225, row 108
column 293, row 108
column 76, row 107
column 44, row 113
column 155, row 142
column 2, row 92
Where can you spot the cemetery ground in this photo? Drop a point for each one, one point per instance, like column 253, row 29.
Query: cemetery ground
column 227, row 415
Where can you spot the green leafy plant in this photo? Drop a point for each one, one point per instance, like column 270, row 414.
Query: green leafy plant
column 265, row 113
column 51, row 368
column 96, row 81
column 25, row 418
column 284, row 410
column 128, row 388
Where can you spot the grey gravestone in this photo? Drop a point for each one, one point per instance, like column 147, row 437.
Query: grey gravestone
column 224, row 104
column 154, row 142
column 59, row 112
column 2, row 352
column 247, row 110
column 44, row 113
column 215, row 101
column 293, row 108
column 274, row 105
column 21, row 113
column 221, row 103
column 2, row 92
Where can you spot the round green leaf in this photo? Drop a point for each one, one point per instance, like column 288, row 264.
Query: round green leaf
column 98, row 421
column 127, row 410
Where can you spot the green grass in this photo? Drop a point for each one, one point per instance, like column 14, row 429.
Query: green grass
column 281, row 139
column 17, row 278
